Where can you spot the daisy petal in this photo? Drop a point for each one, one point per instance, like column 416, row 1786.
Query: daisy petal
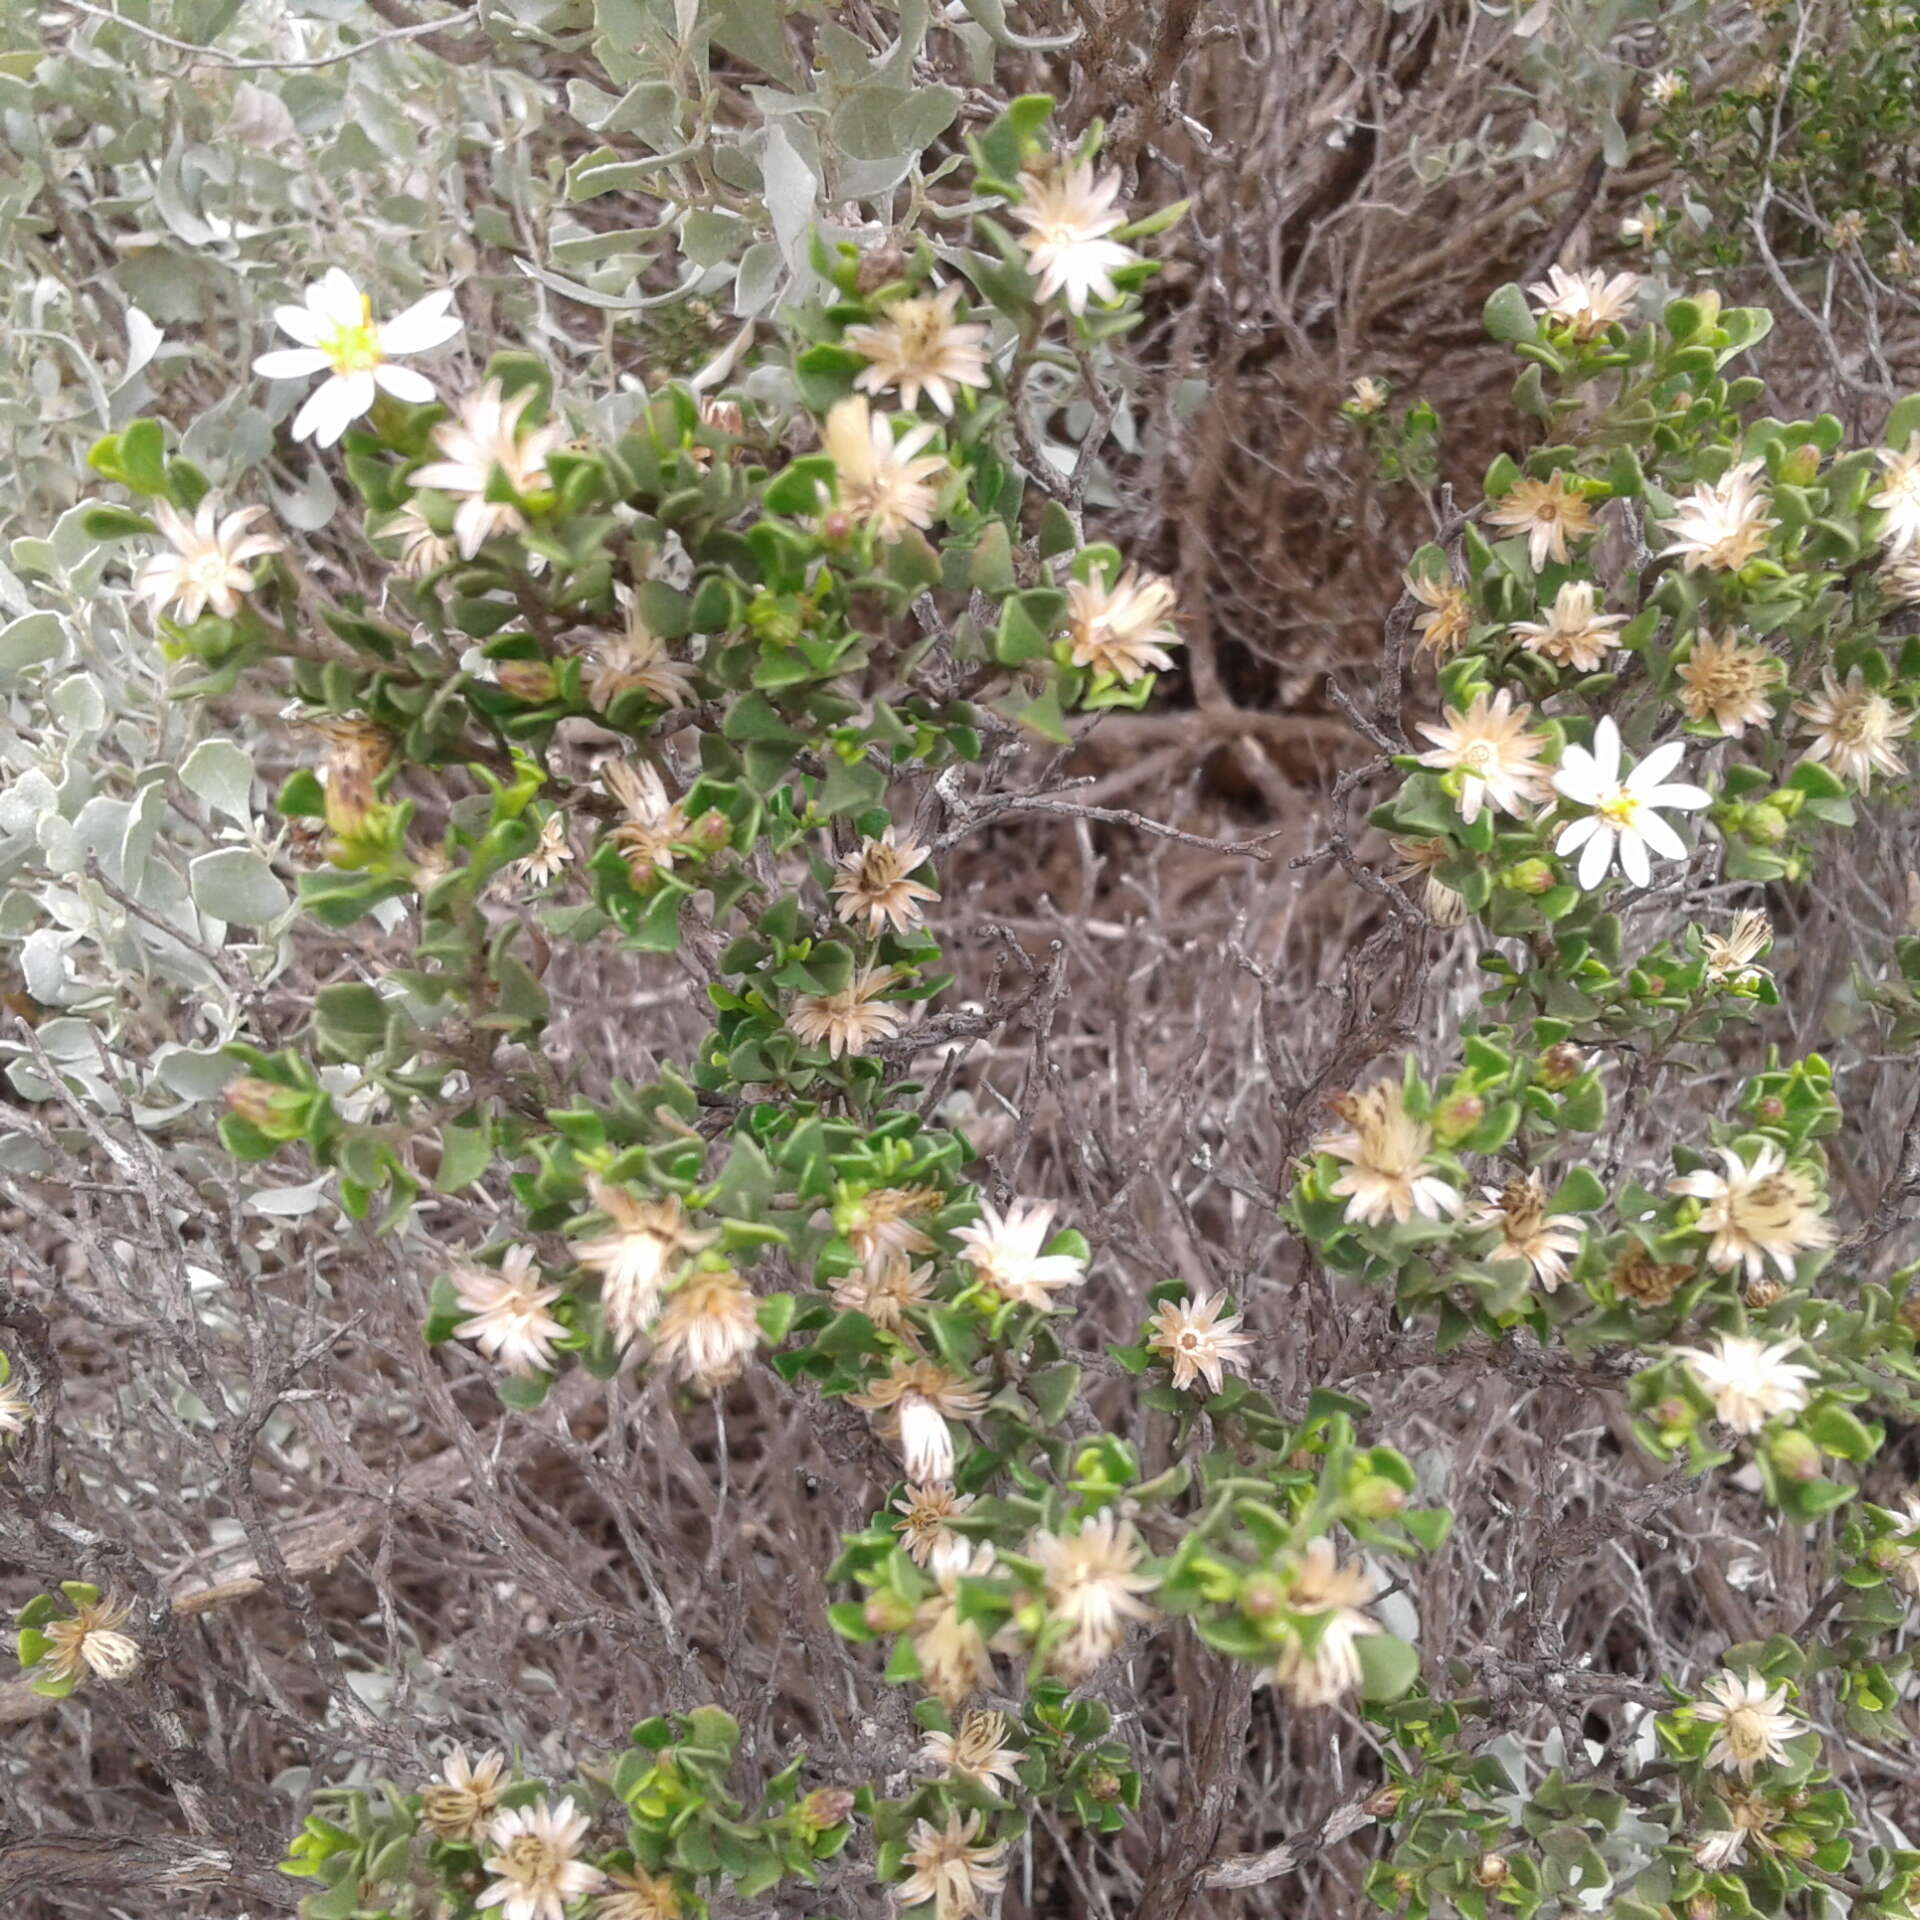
column 1660, row 836
column 404, row 384
column 1633, row 859
column 290, row 363
column 1598, row 856
column 425, row 324
column 1577, row 834
column 1656, row 766
column 300, row 324
column 1679, row 795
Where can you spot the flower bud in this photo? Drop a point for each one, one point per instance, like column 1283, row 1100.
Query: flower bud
column 1384, row 1804
column 836, row 527
column 1533, row 876
column 711, row 832
column 1703, row 1906
column 1457, row 1117
column 1560, row 1066
column 1765, row 824
column 1796, row 1456
column 879, row 267
column 1655, row 984
column 1909, row 1314
column 1449, row 1787
column 255, row 1101
column 528, row 680
column 1772, row 1109
column 1375, row 1497
column 1764, row 1291
column 1490, row 1870
column 824, row 1807
column 1884, row 1556
column 1674, row 1413
column 1798, row 468
column 1103, row 1784
column 1261, row 1596
column 887, row 1613
column 1793, row 1843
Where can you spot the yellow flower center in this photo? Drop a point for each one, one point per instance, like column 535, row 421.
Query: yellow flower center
column 531, row 1858
column 208, row 569
column 354, row 348
column 1747, row 1733
column 1620, row 808
column 1478, row 756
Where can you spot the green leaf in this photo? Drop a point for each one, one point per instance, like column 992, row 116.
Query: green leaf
column 30, row 641
column 1388, row 1666
column 465, row 1153
column 237, row 885
column 143, row 457
column 1507, row 316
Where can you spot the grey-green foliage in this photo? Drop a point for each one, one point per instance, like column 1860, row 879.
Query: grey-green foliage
column 156, row 206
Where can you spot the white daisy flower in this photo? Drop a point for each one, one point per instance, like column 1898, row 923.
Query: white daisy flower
column 1625, row 817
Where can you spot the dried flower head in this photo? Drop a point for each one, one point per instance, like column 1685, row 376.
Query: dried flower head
column 1069, row 216
column 90, row 1641
column 1191, row 1336
column 1573, row 634
column 550, row 855
column 884, row 1290
column 1528, row 1231
column 460, row 1804
column 210, row 565
column 707, row 1329
column 1386, row 1150
column 636, row 661
column 654, row 825
column 1757, row 1211
column 1638, row 1276
column 976, row 1751
column 1731, row 957
column 1722, row 524
column 423, row 549
column 1497, row 759
column 919, row 346
column 1549, row 512
column 918, row 1398
column 1444, row 905
column 1448, row 619
column 1856, row 730
column 1729, row 681
column 1753, row 1721
column 875, row 883
column 851, row 1020
column 535, row 1861
column 1748, row 1381
column 640, row 1895
column 883, row 481
column 1585, row 304
column 882, row 1224
column 507, row 1317
column 480, row 444
column 924, row 1533
column 1005, row 1252
column 950, row 1868
column 643, row 1247
column 1093, row 1588
column 1369, row 396
column 1125, row 629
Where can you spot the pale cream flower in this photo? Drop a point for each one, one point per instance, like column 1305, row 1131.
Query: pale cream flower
column 1549, row 512
column 880, row 1225
column 707, row 1329
column 1069, row 215
column 1573, row 634
column 1665, row 88
column 976, row 1751
column 535, row 1861
column 874, row 883
column 422, row 550
column 1847, row 229
column 1125, row 629
column 1497, row 758
column 1444, row 905
column 1906, row 1566
column 1333, row 1595
column 16, row 1411
column 1754, row 1817
column 1753, row 1720
column 924, row 1533
column 1528, row 1231
column 1369, row 395
column 483, row 440
column 1195, row 1341
column 1093, row 1587
column 89, row 1641
column 1722, row 524
column 916, row 1399
column 636, row 660
column 1586, row 304
column 1748, row 1381
column 644, row 1245
column 1385, row 1149
column 507, row 1317
column 1757, row 1211
column 653, row 826
column 851, row 1020
column 1900, row 577
column 1625, row 817
column 883, row 481
column 550, row 855
column 1728, row 680
column 1644, row 228
column 339, row 337
column 1448, row 620
column 1899, row 495
column 639, row 1895
column 953, row 1653
column 1004, row 1251
column 210, row 565
column 1730, row 957
column 883, row 1291
column 919, row 345
column 460, row 1804
column 949, row 1869
column 1856, row 730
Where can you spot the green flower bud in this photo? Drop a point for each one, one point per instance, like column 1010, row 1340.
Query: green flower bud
column 528, row 680
column 1560, row 1066
column 1533, row 876
column 1795, row 1455
column 887, row 1613
column 1799, row 467
column 1765, row 824
column 1376, row 1497
column 1457, row 1117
